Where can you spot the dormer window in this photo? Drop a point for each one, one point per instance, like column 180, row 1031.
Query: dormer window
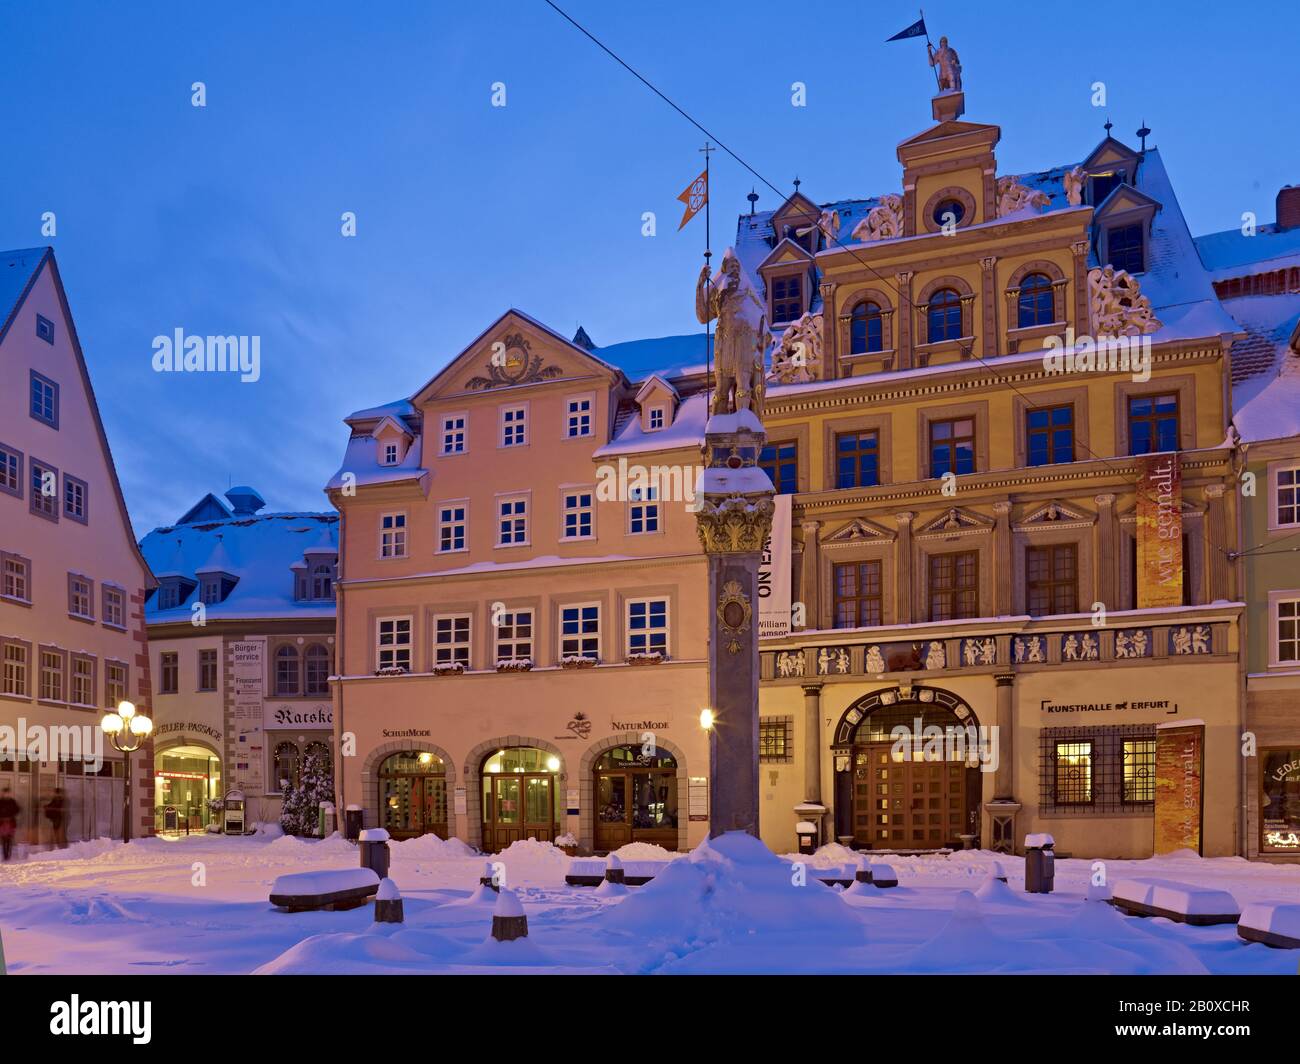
column 322, row 581
column 173, row 591
column 656, row 418
column 1102, row 185
column 787, row 298
column 211, row 591
column 390, row 454
column 866, row 329
column 1125, row 248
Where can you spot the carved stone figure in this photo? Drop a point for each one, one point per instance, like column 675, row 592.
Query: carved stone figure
column 945, row 58
column 798, row 357
column 935, row 657
column 1123, row 645
column 1182, row 641
column 1089, row 648
column 1116, row 305
column 841, row 660
column 970, row 651
column 828, row 224
column 1200, row 640
column 1070, row 648
column 1140, row 643
column 824, row 661
column 1073, row 182
column 1013, row 196
column 742, row 336
column 883, row 222
column 790, row 663
column 1029, row 650
column 989, row 652
column 875, row 660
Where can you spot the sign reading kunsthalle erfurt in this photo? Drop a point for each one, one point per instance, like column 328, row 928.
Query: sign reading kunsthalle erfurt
column 248, row 667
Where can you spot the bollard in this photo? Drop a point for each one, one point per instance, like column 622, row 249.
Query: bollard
column 508, row 919
column 1040, row 873
column 374, row 851
column 388, row 903
column 998, row 872
column 614, row 870
column 863, row 874
column 489, row 877
column 324, row 820
column 352, row 819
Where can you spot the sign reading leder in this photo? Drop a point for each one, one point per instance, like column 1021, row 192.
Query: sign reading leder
column 1160, row 531
column 1180, row 763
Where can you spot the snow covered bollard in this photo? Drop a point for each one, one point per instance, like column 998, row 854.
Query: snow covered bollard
column 374, row 851
column 862, row 874
column 489, row 876
column 508, row 919
column 388, row 903
column 614, row 872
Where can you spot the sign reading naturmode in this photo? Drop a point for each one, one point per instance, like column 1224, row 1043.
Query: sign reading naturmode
column 1160, row 531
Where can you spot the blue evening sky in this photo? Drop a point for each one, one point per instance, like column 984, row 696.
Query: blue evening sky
column 226, row 219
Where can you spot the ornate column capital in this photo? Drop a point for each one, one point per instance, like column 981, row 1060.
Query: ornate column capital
column 1105, row 499
column 904, row 277
column 906, row 517
column 814, row 689
column 1004, row 679
column 1214, row 491
column 737, row 524
column 988, row 262
column 1079, row 249
column 1002, row 507
column 827, row 289
column 810, row 526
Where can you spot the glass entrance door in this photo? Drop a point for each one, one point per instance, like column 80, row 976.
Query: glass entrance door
column 519, row 797
column 413, row 795
column 636, row 798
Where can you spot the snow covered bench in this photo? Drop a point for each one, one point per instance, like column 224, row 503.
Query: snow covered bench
column 1180, row 902
column 591, row 873
column 345, row 888
column 1273, row 924
column 839, row 876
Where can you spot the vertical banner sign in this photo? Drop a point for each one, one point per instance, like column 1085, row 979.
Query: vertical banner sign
column 1160, row 531
column 248, row 664
column 1180, row 792
column 774, row 574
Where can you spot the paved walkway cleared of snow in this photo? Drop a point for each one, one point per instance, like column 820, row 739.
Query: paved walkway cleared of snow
column 199, row 904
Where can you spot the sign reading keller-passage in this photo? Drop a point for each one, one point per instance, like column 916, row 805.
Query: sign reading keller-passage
column 1159, row 531
column 774, row 574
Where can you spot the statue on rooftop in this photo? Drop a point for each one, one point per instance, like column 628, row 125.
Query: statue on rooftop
column 945, row 58
column 742, row 336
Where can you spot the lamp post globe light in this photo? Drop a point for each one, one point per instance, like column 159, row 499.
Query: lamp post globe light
column 127, row 729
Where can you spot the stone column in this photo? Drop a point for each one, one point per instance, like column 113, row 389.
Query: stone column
column 1004, row 778
column 830, row 332
column 1079, row 251
column 906, row 316
column 1216, row 521
column 810, row 575
column 903, row 568
column 1005, row 573
column 1107, row 562
column 988, row 300
column 733, row 523
column 812, row 744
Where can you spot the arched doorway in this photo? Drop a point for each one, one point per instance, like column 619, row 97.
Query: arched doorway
column 636, row 798
column 519, row 792
column 920, row 792
column 413, row 794
column 187, row 777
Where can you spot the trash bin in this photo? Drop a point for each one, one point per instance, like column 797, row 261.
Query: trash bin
column 806, row 830
column 1039, row 861
column 352, row 820
column 325, row 820
column 374, row 851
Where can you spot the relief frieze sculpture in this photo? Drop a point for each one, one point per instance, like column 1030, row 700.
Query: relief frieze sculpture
column 883, row 222
column 1116, row 305
column 1013, row 196
column 512, row 362
column 797, row 359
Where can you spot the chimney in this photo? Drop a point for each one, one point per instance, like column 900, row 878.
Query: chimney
column 1288, row 207
column 244, row 501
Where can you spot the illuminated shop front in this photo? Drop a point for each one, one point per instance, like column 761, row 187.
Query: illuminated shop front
column 519, row 797
column 413, row 794
column 1280, row 800
column 187, row 780
column 636, row 798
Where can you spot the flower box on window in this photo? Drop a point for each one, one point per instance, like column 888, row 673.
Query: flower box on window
column 651, row 657
column 449, row 668
column 578, row 661
column 392, row 670
column 514, row 664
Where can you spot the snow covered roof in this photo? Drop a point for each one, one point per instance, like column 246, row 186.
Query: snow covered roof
column 1266, row 366
column 258, row 550
column 1232, row 253
column 670, row 357
column 361, row 462
column 686, row 430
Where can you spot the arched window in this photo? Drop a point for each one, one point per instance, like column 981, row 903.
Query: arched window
column 944, row 316
column 286, row 671
column 286, row 766
column 1036, row 305
column 866, row 329
column 316, row 670
column 322, row 582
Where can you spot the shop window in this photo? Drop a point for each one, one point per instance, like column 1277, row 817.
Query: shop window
column 635, row 797
column 1049, row 435
column 780, row 461
column 952, row 447
column 1125, row 248
column 1051, row 580
column 286, row 671
column 775, row 740
column 168, row 673
column 286, row 767
column 647, row 626
column 514, row 640
column 858, row 595
column 1280, row 800
column 1152, row 423
column 954, row 586
column 1035, row 305
column 318, row 749
column 413, row 794
column 580, row 631
column 943, row 316
column 1072, row 773
column 857, row 459
column 316, row 671
column 1098, row 771
column 787, row 298
column 866, row 329
column 1139, row 770
column 451, row 640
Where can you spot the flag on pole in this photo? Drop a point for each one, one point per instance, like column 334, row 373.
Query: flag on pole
column 695, row 196
column 916, row 29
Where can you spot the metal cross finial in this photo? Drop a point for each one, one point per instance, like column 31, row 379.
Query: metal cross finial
column 797, row 183
column 753, row 199
column 1108, row 126
column 1144, row 132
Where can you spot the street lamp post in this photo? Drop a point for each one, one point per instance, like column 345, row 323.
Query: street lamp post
column 127, row 730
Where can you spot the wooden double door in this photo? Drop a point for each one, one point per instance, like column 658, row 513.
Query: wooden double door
column 518, row 805
column 414, row 805
column 636, row 805
column 907, row 804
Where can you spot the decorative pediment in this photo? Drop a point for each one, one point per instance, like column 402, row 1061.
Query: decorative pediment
column 1108, row 155
column 390, row 426
column 1125, row 200
column 1055, row 514
column 859, row 530
column 785, row 252
column 795, row 212
column 956, row 520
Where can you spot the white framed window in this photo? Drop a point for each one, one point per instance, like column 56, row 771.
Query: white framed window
column 579, row 513
column 114, row 611
column 51, row 677
column 577, row 418
column 642, row 510
column 390, row 454
column 453, row 527
column 580, row 631
column 647, row 626
column 451, row 639
column 81, row 597
column 1284, row 484
column 15, row 577
column 16, row 669
column 455, row 433
column 116, row 683
column 656, row 419
column 512, row 521
column 1284, row 615
column 81, row 681
column 514, row 638
column 393, row 643
column 392, row 535
column 514, row 426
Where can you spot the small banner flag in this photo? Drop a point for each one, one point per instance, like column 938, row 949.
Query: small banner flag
column 916, row 29
column 695, row 196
